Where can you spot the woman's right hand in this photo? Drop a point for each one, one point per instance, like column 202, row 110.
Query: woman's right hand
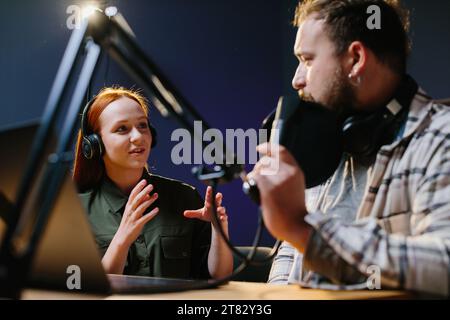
column 133, row 220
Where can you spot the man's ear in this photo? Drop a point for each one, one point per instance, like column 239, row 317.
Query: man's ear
column 356, row 58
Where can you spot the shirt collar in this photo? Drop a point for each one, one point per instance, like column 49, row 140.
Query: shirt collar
column 420, row 108
column 419, row 111
column 115, row 198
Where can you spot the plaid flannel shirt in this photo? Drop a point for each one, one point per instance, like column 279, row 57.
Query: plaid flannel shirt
column 402, row 226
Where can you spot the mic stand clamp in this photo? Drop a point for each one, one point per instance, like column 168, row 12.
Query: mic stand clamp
column 220, row 173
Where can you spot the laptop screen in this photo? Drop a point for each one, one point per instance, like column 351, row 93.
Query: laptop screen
column 67, row 239
column 16, row 142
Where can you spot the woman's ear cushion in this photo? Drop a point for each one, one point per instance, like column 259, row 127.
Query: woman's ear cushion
column 154, row 135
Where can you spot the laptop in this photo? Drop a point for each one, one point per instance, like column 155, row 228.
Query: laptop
column 67, row 247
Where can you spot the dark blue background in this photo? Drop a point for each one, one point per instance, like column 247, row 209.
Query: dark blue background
column 231, row 59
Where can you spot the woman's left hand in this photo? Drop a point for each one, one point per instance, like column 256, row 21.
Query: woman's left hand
column 206, row 212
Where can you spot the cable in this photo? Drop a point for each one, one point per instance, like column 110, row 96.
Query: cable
column 239, row 254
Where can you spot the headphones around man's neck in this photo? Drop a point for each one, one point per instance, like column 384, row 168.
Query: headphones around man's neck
column 364, row 134
column 92, row 145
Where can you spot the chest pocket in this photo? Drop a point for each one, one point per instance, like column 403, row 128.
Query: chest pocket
column 176, row 256
column 397, row 224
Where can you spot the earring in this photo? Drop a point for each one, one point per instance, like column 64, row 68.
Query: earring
column 358, row 79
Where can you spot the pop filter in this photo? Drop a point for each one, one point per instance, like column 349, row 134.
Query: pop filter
column 312, row 134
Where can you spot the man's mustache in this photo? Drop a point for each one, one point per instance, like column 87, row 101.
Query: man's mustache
column 305, row 96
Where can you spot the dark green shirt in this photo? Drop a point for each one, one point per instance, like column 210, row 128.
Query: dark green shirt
column 170, row 245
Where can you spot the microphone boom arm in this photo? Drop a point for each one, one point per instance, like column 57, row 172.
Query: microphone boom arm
column 112, row 35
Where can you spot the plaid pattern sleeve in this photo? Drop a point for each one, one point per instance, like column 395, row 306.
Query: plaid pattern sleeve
column 403, row 224
column 282, row 264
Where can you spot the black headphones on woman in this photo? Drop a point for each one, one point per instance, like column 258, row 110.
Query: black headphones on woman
column 92, row 146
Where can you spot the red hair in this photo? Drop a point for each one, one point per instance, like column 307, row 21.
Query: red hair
column 87, row 173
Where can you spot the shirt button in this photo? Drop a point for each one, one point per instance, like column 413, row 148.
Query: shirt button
column 144, row 263
column 140, row 239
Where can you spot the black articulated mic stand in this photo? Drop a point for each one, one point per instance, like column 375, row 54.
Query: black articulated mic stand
column 112, row 34
column 15, row 264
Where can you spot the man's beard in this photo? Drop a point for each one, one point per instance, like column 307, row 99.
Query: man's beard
column 339, row 95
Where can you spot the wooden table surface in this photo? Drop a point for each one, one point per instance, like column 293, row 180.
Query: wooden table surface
column 234, row 290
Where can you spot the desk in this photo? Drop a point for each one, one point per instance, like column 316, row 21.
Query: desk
column 235, row 290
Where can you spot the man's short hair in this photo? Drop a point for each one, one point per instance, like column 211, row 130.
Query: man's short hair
column 346, row 21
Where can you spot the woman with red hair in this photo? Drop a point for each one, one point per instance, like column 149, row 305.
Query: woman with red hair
column 144, row 224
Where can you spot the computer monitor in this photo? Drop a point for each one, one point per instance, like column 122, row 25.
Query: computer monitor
column 15, row 143
column 67, row 239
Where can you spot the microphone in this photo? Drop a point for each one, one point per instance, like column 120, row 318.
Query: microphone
column 311, row 133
